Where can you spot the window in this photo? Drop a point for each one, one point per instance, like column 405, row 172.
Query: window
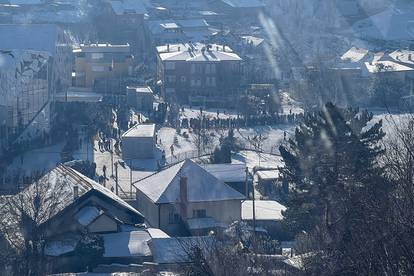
column 210, row 68
column 193, row 68
column 213, row 81
column 170, row 79
column 213, row 68
column 170, row 65
column 98, row 69
column 173, row 218
column 199, row 213
column 97, row 55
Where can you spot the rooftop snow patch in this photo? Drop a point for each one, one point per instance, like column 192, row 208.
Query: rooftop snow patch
column 144, row 130
column 265, row 210
column 196, row 52
column 355, row 54
column 127, row 244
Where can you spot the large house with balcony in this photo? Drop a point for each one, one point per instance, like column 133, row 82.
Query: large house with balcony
column 199, row 74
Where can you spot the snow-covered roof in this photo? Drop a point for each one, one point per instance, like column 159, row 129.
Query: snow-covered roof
column 268, row 174
column 159, row 26
column 386, row 66
column 127, row 244
column 355, row 54
column 102, row 48
column 140, row 89
column 244, row 3
column 157, row 233
column 164, row 186
column 79, row 94
column 38, row 37
column 143, row 130
column 265, row 210
column 196, row 52
column 60, row 247
column 403, row 56
column 87, row 214
column 252, row 40
column 227, row 172
column 121, row 7
column 59, row 185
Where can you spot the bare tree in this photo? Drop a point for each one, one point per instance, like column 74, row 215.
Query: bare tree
column 21, row 224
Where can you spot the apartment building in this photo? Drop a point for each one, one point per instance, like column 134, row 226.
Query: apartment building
column 199, row 74
column 95, row 62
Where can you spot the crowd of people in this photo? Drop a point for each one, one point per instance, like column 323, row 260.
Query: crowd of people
column 240, row 122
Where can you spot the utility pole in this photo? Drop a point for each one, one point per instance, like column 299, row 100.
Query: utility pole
column 112, row 158
column 130, row 177
column 246, row 188
column 116, row 178
column 254, row 213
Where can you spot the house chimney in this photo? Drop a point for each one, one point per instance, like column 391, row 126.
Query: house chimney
column 183, row 189
column 217, row 48
column 183, row 197
column 179, row 48
column 75, row 192
column 168, row 48
column 224, row 48
column 410, row 57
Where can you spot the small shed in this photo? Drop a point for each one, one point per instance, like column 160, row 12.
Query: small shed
column 139, row 142
column 269, row 181
column 140, row 97
column 268, row 215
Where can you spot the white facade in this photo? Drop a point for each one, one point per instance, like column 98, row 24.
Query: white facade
column 139, row 142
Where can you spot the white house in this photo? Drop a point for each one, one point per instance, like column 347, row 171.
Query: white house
column 185, row 198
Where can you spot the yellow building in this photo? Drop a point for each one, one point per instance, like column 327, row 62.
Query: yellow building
column 101, row 61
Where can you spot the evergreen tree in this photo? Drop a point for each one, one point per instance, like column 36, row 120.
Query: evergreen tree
column 331, row 156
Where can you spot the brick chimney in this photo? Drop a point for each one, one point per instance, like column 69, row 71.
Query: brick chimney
column 183, row 197
column 75, row 192
column 183, row 189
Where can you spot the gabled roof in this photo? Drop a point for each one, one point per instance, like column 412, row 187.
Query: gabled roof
column 60, row 188
column 164, row 187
